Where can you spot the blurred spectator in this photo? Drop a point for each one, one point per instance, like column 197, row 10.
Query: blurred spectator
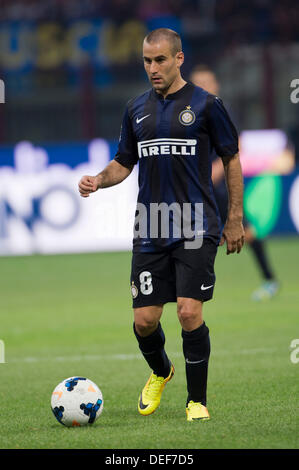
column 119, row 10
column 149, row 9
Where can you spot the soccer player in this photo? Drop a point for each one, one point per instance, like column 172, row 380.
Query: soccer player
column 171, row 131
column 204, row 77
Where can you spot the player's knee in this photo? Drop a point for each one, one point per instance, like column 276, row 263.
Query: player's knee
column 145, row 326
column 249, row 235
column 189, row 317
column 186, row 314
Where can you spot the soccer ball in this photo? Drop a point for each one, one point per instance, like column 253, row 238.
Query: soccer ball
column 77, row 401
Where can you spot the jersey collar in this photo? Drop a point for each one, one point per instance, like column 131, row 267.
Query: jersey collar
column 173, row 96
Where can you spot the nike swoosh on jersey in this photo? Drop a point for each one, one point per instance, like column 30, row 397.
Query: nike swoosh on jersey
column 138, row 120
column 206, row 287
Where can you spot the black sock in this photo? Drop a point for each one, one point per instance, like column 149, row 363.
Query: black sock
column 152, row 348
column 196, row 348
column 258, row 249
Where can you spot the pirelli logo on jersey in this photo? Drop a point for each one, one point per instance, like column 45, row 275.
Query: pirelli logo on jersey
column 164, row 147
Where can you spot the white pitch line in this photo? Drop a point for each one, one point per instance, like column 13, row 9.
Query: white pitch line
column 130, row 357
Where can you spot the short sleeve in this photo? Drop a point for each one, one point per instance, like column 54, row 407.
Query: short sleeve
column 127, row 154
column 223, row 133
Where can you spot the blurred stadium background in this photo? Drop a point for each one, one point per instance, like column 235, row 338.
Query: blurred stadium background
column 69, row 67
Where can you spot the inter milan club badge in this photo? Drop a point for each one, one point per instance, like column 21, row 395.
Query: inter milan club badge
column 187, row 117
column 134, row 290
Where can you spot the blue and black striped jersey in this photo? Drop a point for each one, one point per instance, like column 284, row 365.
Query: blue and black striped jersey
column 173, row 140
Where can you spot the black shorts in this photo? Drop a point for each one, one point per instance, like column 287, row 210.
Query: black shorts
column 158, row 278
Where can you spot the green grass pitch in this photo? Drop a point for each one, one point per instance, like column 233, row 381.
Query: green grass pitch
column 71, row 315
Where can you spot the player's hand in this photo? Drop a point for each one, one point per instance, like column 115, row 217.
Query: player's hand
column 88, row 185
column 233, row 234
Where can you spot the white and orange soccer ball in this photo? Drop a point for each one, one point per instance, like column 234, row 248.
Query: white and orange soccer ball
column 77, row 401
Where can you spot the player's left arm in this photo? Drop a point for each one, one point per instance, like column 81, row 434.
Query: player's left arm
column 233, row 232
column 224, row 138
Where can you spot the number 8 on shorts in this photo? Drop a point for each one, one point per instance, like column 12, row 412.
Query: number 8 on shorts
column 146, row 286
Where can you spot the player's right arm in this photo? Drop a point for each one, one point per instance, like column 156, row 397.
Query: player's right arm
column 119, row 168
column 113, row 174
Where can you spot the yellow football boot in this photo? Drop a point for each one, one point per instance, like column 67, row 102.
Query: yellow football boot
column 197, row 411
column 150, row 396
